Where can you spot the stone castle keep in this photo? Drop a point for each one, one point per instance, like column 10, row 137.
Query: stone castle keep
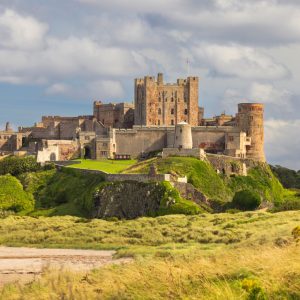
column 164, row 117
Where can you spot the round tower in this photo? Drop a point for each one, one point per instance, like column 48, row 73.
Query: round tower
column 250, row 119
column 183, row 136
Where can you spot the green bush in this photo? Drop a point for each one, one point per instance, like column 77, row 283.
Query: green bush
column 65, row 187
column 260, row 180
column 17, row 165
column 12, row 195
column 172, row 203
column 246, row 200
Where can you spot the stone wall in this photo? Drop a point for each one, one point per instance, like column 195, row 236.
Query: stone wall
column 188, row 191
column 196, row 152
column 10, row 141
column 228, row 165
column 116, row 115
column 123, row 177
column 140, row 140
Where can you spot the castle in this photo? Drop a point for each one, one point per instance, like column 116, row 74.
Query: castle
column 125, row 130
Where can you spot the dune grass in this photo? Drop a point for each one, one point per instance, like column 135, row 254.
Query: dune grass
column 105, row 165
column 148, row 236
column 241, row 256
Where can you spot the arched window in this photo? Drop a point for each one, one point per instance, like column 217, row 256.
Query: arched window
column 172, row 111
column 159, row 111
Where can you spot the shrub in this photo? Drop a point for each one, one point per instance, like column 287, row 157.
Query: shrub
column 172, row 203
column 289, row 204
column 12, row 195
column 17, row 165
column 296, row 233
column 246, row 200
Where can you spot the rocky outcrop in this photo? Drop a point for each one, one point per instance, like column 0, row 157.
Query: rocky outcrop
column 127, row 200
column 189, row 192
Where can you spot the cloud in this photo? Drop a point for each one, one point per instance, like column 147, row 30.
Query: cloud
column 282, row 142
column 58, row 88
column 278, row 102
column 267, row 93
column 102, row 89
column 21, row 32
column 238, row 61
column 96, row 89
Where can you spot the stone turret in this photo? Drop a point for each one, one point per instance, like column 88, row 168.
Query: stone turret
column 183, row 136
column 8, row 127
column 250, row 119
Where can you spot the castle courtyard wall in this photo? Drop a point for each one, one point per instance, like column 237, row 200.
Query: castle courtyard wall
column 146, row 139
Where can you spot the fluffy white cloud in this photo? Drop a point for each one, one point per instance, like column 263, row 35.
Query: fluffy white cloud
column 267, row 93
column 277, row 100
column 21, row 32
column 282, row 142
column 103, row 89
column 239, row 61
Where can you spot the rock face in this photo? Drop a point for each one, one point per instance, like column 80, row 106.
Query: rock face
column 127, row 199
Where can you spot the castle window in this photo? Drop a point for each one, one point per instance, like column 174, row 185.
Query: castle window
column 159, row 111
column 172, row 99
column 185, row 111
column 172, row 122
column 231, row 138
column 166, row 99
column 159, row 99
column 172, row 111
column 158, row 122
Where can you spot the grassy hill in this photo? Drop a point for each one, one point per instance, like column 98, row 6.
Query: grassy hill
column 70, row 192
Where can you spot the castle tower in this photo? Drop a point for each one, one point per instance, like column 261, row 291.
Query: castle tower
column 250, row 119
column 183, row 136
column 163, row 104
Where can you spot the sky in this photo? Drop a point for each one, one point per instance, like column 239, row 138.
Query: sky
column 58, row 56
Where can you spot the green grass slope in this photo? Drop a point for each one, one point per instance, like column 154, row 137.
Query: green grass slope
column 13, row 197
column 105, row 165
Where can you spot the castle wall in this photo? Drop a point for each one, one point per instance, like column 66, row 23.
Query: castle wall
column 137, row 141
column 146, row 139
column 120, row 115
column 10, row 141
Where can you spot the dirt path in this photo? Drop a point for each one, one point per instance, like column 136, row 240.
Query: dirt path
column 24, row 264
